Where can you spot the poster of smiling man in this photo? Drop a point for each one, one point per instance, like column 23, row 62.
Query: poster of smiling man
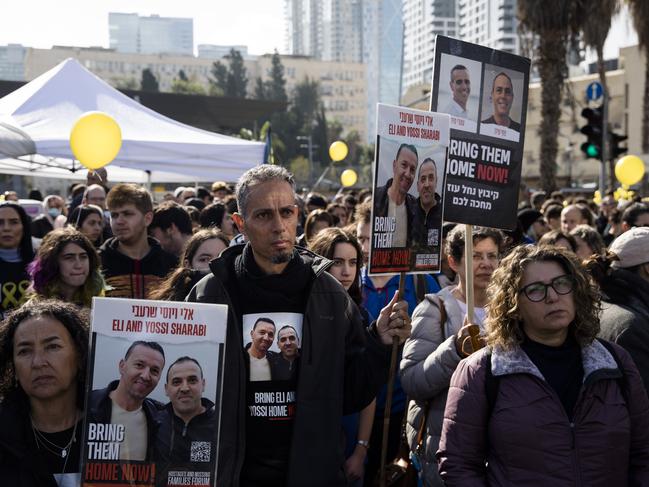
column 154, row 393
column 407, row 206
column 488, row 113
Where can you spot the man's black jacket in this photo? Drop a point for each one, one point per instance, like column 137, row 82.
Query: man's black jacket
column 100, row 409
column 342, row 368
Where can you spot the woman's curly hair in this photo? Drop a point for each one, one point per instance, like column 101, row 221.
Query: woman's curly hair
column 503, row 324
column 45, row 271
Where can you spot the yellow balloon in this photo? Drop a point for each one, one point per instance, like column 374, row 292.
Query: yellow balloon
column 338, row 151
column 95, row 139
column 629, row 170
column 348, row 178
column 597, row 197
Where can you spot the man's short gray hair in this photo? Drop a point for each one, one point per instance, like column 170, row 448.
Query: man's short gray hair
column 257, row 175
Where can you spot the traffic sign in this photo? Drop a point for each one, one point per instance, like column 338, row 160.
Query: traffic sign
column 594, row 91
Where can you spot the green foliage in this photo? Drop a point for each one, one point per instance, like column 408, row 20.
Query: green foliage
column 187, row 87
column 246, row 134
column 149, row 82
column 334, row 130
column 306, row 116
column 260, row 89
column 219, row 78
column 215, row 90
column 237, row 76
column 299, row 166
column 274, row 88
column 232, row 80
column 126, row 84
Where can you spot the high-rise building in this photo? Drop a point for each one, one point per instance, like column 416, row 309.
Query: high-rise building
column 342, row 36
column 131, row 33
column 382, row 52
column 329, row 30
column 12, row 62
column 490, row 23
column 423, row 20
column 304, row 27
column 356, row 31
column 212, row 51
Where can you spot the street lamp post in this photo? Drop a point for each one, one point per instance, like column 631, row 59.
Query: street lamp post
column 309, row 146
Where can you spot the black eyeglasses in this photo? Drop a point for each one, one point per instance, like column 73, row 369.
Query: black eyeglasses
column 538, row 291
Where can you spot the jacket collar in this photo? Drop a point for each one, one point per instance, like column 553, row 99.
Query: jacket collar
column 594, row 357
column 221, row 265
column 209, row 406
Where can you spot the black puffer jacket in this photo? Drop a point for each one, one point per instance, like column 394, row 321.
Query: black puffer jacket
column 627, row 321
column 342, row 368
column 175, row 437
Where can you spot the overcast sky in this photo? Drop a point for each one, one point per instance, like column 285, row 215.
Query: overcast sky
column 259, row 24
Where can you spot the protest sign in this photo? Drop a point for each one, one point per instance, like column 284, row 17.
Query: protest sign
column 154, row 393
column 485, row 92
column 409, row 168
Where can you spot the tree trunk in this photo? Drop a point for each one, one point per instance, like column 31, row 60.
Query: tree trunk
column 552, row 55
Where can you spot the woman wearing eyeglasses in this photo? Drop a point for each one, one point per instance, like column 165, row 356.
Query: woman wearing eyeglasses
column 545, row 403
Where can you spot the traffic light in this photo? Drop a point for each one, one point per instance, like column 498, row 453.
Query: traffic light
column 593, row 130
column 614, row 145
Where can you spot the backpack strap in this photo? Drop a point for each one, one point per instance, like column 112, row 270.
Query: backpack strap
column 443, row 316
column 623, row 381
column 492, row 384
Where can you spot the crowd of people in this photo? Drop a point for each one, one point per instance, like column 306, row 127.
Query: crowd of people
column 560, row 308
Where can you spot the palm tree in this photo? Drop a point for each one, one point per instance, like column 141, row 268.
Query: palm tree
column 552, row 22
column 595, row 30
column 640, row 13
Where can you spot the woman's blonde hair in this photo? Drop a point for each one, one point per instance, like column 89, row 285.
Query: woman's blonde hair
column 503, row 323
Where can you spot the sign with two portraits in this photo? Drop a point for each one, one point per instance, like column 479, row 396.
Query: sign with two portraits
column 485, row 92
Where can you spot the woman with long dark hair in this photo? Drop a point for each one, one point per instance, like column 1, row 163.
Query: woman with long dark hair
column 16, row 252
column 347, row 255
column 43, row 356
column 89, row 220
column 194, row 264
column 216, row 215
column 317, row 221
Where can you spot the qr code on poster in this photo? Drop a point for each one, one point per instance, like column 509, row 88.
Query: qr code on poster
column 200, row 451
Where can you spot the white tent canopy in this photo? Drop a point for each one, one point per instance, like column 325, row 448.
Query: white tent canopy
column 38, row 117
column 43, row 167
